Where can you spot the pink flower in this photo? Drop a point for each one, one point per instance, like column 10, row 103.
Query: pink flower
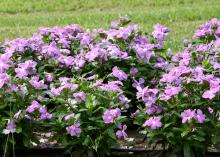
column 153, row 122
column 210, row 110
column 16, row 116
column 209, row 94
column 69, row 116
column 187, row 115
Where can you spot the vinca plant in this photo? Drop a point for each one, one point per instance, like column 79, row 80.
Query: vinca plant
column 88, row 87
column 79, row 85
column 182, row 111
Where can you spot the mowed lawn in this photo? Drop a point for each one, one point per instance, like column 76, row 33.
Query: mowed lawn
column 20, row 18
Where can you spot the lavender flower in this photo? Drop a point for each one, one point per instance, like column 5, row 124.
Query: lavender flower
column 55, row 91
column 11, row 127
column 137, row 84
column 85, row 39
column 36, row 83
column 110, row 115
column 200, row 117
column 121, row 133
column 114, row 24
column 124, row 100
column 111, row 86
column 93, row 54
column 160, row 32
column 50, row 50
column 210, row 110
column 4, row 79
column 49, row 77
column 153, row 122
column 133, row 71
column 151, row 109
column 4, row 59
column 134, row 114
column 169, row 92
column 74, row 130
column 66, row 60
column 144, row 52
column 27, row 117
column 69, row 116
column 187, row 115
column 34, row 105
column 121, row 75
column 80, row 96
column 16, row 116
column 114, row 52
column 149, row 96
column 26, row 68
column 44, row 114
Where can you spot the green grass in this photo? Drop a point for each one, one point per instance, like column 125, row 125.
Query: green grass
column 20, row 18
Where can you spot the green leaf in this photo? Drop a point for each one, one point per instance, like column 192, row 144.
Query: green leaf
column 82, row 110
column 60, row 100
column 86, row 141
column 111, row 133
column 185, row 133
column 2, row 106
column 167, row 125
column 92, row 128
column 77, row 116
column 18, row 130
column 199, row 138
column 98, row 109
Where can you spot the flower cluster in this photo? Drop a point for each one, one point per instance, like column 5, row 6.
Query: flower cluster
column 110, row 115
column 78, row 82
column 187, row 93
column 74, row 130
column 189, row 114
column 83, row 84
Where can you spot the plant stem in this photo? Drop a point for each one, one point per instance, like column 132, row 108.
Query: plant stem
column 6, row 145
column 13, row 145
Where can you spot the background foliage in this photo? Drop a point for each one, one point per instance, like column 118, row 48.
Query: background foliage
column 20, row 18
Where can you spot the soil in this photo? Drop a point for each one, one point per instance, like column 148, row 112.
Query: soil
column 135, row 146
